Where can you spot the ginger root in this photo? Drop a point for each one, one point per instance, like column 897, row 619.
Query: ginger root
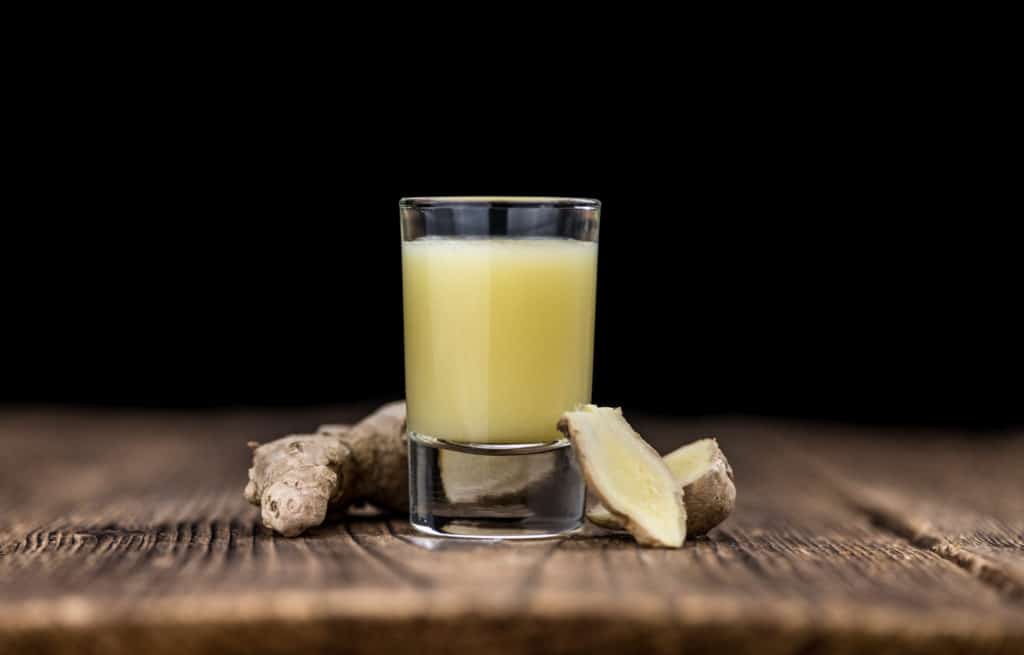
column 295, row 479
column 475, row 478
column 709, row 492
column 629, row 477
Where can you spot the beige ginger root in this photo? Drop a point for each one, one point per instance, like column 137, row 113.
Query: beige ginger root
column 628, row 476
column 296, row 478
column 475, row 479
column 709, row 492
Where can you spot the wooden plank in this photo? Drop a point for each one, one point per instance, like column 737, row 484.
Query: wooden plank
column 960, row 498
column 129, row 533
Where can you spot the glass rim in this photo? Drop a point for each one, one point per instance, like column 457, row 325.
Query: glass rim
column 499, row 201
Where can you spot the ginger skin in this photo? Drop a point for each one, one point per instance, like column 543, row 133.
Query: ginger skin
column 296, row 478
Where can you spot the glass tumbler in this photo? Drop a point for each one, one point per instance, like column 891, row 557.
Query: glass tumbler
column 499, row 300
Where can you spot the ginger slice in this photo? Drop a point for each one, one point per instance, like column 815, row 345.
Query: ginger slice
column 709, row 492
column 628, row 476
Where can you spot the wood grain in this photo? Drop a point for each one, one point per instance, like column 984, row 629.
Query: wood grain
column 127, row 532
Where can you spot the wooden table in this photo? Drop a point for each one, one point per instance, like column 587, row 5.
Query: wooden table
column 127, row 532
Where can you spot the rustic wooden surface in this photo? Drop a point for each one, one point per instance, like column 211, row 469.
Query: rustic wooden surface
column 126, row 532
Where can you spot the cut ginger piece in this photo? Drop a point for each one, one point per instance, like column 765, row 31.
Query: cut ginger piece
column 709, row 492
column 628, row 476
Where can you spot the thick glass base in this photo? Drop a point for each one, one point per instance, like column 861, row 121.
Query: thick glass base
column 494, row 491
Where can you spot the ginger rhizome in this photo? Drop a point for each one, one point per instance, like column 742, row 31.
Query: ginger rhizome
column 628, row 476
column 296, row 479
column 474, row 479
column 709, row 492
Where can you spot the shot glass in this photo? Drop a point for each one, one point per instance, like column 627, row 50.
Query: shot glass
column 499, row 300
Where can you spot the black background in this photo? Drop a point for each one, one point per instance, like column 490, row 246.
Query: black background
column 825, row 257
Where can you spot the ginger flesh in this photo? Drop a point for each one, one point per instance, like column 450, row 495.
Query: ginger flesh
column 296, row 479
column 709, row 491
column 627, row 475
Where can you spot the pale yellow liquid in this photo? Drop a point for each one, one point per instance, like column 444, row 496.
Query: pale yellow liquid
column 499, row 336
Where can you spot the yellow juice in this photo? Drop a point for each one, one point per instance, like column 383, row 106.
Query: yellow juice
column 499, row 335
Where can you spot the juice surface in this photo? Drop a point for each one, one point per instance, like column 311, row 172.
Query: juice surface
column 499, row 335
